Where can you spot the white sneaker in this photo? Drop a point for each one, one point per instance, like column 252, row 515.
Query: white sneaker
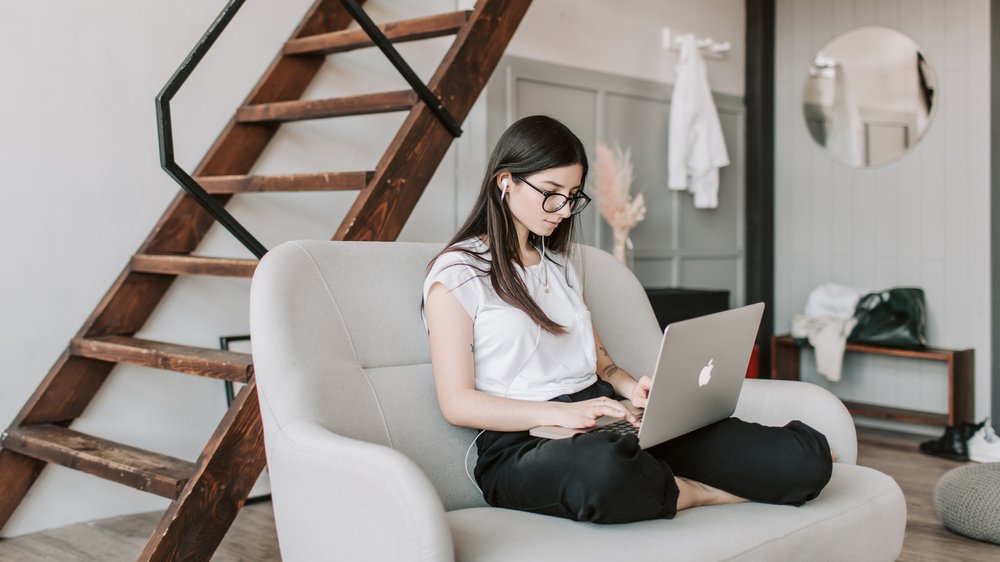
column 984, row 445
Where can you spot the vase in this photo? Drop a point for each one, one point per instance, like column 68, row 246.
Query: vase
column 623, row 249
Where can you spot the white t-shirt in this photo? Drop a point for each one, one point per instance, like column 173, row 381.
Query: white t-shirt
column 514, row 356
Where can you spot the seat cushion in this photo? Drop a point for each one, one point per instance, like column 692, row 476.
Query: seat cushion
column 861, row 515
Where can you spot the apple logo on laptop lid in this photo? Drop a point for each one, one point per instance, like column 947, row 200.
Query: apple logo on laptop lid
column 706, row 373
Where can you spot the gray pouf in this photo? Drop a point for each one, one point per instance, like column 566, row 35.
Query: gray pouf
column 967, row 501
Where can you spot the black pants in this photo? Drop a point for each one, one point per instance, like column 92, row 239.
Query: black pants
column 606, row 478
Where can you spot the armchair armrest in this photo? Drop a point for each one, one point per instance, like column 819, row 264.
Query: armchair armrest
column 775, row 402
column 337, row 498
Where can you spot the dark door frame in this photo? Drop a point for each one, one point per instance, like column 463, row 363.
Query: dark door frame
column 759, row 100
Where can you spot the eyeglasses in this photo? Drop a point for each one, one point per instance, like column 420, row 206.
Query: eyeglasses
column 553, row 201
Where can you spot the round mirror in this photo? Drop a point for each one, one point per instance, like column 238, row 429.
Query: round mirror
column 868, row 97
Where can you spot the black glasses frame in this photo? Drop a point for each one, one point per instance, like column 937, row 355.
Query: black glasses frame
column 575, row 208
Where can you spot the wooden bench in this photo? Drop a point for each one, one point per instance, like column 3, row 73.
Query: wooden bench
column 785, row 352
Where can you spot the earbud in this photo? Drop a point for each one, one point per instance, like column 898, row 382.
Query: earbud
column 504, row 185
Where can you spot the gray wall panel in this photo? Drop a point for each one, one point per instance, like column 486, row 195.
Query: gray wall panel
column 628, row 121
column 720, row 230
column 574, row 106
column 635, row 113
column 711, row 274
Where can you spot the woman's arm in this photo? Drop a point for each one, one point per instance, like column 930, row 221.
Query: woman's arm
column 624, row 383
column 454, row 380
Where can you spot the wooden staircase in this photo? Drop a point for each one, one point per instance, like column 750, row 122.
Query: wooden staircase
column 207, row 494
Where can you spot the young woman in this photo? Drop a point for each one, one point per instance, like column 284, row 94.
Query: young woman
column 513, row 347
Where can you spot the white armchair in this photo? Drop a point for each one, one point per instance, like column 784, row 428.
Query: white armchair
column 364, row 467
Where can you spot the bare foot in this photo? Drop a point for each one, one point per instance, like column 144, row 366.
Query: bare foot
column 695, row 494
column 833, row 455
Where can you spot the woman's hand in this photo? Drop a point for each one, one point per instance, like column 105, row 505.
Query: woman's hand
column 640, row 392
column 579, row 415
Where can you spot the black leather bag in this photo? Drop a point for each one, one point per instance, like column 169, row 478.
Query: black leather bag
column 892, row 318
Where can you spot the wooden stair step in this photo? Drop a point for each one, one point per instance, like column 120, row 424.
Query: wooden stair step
column 329, row 181
column 169, row 264
column 397, row 32
column 145, row 470
column 212, row 363
column 298, row 110
column 234, row 456
column 381, row 210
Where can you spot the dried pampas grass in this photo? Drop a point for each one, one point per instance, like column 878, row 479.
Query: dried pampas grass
column 613, row 180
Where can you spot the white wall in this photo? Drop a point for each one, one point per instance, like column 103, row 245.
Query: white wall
column 624, row 36
column 921, row 220
column 83, row 186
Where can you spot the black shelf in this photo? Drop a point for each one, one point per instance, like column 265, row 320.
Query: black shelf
column 673, row 304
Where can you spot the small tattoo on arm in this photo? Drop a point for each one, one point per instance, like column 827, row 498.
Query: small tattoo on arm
column 604, row 351
column 610, row 371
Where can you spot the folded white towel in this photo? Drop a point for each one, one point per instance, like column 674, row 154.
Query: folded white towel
column 834, row 301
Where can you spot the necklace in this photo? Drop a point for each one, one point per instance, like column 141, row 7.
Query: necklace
column 545, row 282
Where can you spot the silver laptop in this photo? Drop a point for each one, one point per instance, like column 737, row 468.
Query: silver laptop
column 698, row 377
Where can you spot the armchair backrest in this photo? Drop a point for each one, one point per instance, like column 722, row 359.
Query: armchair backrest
column 338, row 339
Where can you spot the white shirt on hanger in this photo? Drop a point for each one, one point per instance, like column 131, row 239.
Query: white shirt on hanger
column 696, row 148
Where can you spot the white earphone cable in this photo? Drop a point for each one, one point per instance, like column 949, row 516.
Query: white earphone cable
column 465, row 462
column 538, row 339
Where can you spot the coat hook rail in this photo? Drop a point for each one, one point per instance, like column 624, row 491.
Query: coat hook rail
column 709, row 47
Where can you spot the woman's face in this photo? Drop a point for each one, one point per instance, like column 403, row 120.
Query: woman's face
column 525, row 201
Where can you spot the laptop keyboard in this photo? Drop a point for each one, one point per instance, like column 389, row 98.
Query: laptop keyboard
column 620, row 427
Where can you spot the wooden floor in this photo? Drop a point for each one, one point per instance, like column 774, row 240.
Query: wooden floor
column 926, row 539
column 122, row 538
column 252, row 537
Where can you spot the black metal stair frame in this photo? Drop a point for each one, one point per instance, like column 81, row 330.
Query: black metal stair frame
column 164, row 122
column 164, row 127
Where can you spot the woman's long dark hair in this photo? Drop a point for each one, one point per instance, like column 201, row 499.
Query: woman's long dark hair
column 530, row 145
